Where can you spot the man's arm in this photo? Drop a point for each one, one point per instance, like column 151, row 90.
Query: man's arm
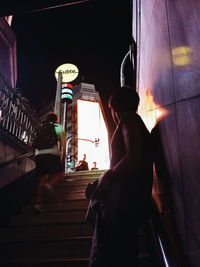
column 128, row 163
column 133, row 140
column 62, row 140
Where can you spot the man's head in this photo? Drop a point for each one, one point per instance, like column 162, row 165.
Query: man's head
column 94, row 164
column 52, row 117
column 124, row 99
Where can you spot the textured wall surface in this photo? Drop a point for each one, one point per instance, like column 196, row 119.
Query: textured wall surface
column 169, row 87
column 8, row 62
column 10, row 173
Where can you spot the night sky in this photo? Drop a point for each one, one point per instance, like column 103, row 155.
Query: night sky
column 93, row 36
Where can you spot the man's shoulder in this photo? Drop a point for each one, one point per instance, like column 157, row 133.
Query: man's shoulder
column 129, row 118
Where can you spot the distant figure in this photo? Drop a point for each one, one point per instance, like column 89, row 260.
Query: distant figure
column 120, row 200
column 82, row 165
column 50, row 146
column 94, row 166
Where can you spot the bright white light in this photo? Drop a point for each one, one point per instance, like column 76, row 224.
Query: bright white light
column 91, row 125
column 24, row 137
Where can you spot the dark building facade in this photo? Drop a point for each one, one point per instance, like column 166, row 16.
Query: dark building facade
column 17, row 120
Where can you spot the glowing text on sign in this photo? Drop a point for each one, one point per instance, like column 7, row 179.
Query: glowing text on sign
column 69, row 72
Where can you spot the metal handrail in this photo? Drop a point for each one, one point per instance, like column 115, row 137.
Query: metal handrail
column 129, row 54
column 165, row 254
column 16, row 159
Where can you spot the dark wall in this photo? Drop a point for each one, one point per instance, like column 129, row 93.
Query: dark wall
column 16, row 194
column 11, row 172
column 169, row 87
column 8, row 61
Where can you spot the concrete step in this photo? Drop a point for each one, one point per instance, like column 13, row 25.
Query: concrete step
column 74, row 181
column 59, row 206
column 71, row 216
column 75, row 247
column 68, row 187
column 59, row 236
column 143, row 261
column 53, row 252
column 44, row 232
column 84, row 174
column 55, row 262
column 63, row 196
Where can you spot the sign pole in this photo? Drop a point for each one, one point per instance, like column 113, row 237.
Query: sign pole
column 65, row 116
column 57, row 106
column 64, row 94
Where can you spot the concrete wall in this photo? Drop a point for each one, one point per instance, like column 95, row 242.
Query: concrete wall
column 8, row 62
column 169, row 87
column 10, row 173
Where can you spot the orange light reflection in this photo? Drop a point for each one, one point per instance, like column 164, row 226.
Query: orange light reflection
column 154, row 112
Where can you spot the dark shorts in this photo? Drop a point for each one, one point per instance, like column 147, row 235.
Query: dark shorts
column 48, row 164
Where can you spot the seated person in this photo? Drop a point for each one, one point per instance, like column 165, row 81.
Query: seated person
column 82, row 165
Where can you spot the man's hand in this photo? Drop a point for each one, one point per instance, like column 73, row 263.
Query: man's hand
column 103, row 186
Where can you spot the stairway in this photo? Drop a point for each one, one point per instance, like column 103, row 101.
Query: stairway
column 57, row 237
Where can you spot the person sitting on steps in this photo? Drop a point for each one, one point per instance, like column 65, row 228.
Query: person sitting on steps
column 82, row 165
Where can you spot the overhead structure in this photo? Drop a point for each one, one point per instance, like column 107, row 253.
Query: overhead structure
column 24, row 7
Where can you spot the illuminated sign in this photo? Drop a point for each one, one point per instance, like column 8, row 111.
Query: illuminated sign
column 67, row 85
column 67, row 92
column 69, row 72
column 67, row 97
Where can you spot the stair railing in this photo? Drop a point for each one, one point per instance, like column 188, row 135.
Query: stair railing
column 162, row 248
column 16, row 159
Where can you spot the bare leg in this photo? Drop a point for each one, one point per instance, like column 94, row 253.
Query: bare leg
column 55, row 178
column 40, row 190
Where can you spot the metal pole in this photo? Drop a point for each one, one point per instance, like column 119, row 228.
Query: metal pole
column 122, row 75
column 57, row 106
column 64, row 122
